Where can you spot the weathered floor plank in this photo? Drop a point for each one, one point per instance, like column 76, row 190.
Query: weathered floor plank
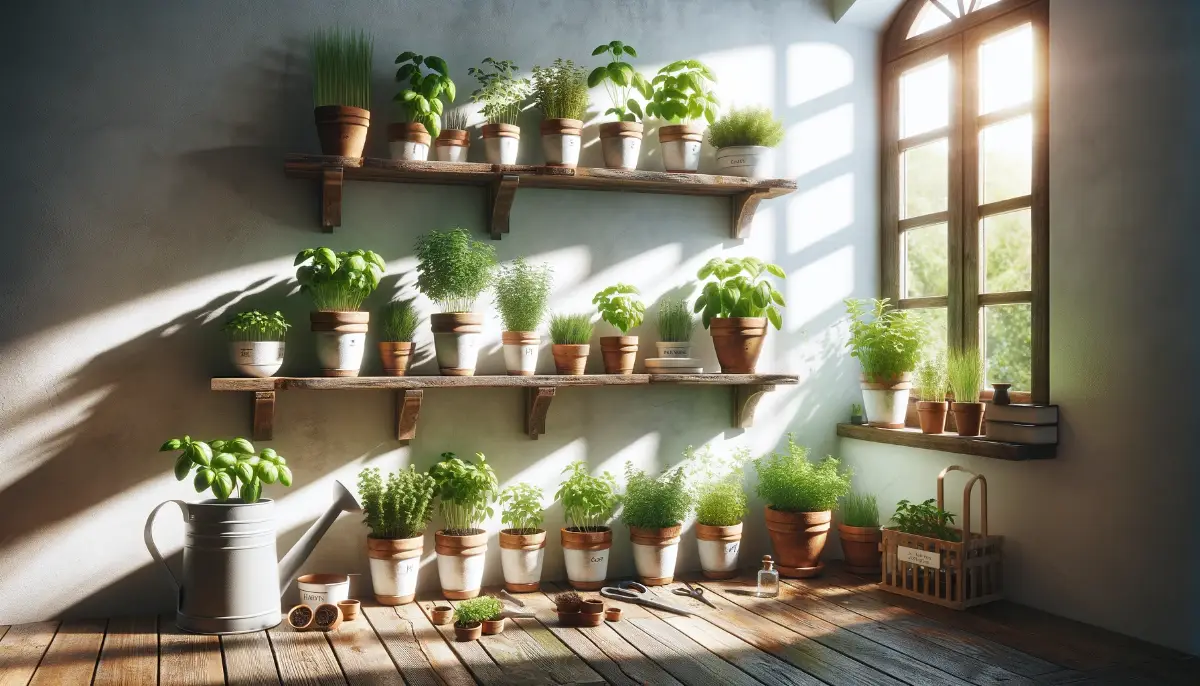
column 188, row 659
column 304, row 657
column 398, row 640
column 130, row 653
column 249, row 660
column 543, row 608
column 433, row 647
column 470, row 653
column 71, row 657
column 21, row 650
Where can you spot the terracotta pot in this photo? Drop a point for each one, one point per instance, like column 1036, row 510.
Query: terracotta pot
column 654, row 553
column 500, row 142
column 613, row 614
column 591, row 606
column 585, row 619
column 409, row 141
column 341, row 339
column 567, row 608
column 460, row 563
column 521, row 352
column 586, row 554
column 968, row 418
column 933, row 416
column 885, row 399
column 570, row 618
column 442, row 614
column 462, row 634
column 349, row 609
column 395, row 356
column 738, row 342
column 491, row 627
column 327, row 617
column 620, row 353
column 521, row 558
column 394, row 566
column 456, row 340
column 342, row 130
column 798, row 539
column 561, row 141
column 860, row 547
column 570, row 359
column 300, row 617
column 719, row 549
column 451, row 145
column 680, row 144
column 621, row 143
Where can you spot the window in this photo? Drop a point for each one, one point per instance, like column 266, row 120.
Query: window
column 965, row 171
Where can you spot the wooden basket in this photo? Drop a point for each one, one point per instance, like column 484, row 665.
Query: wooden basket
column 957, row 575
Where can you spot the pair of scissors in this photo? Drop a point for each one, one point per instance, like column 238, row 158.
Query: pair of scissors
column 633, row 592
column 694, row 593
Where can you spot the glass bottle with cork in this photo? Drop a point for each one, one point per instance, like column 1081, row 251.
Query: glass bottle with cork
column 768, row 579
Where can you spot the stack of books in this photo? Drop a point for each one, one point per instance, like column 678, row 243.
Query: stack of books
column 1029, row 424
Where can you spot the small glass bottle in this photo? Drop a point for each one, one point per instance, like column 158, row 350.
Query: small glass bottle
column 768, row 579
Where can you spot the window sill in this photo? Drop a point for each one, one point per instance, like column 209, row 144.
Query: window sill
column 948, row 443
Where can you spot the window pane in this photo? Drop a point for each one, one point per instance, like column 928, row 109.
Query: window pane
column 936, row 331
column 1006, row 159
column 1008, row 348
column 925, row 97
column 924, row 181
column 926, row 266
column 930, row 17
column 1007, row 248
column 1006, row 70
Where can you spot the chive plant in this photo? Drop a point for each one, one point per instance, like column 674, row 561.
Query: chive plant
column 342, row 68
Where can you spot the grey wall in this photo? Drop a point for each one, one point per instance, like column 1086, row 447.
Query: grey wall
column 1102, row 534
column 145, row 201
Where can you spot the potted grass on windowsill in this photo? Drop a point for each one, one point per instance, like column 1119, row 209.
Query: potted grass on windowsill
column 964, row 369
column 887, row 343
column 341, row 65
column 930, row 388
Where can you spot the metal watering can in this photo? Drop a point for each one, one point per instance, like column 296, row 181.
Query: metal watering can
column 232, row 578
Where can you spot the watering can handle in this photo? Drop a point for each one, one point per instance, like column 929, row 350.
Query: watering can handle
column 149, row 537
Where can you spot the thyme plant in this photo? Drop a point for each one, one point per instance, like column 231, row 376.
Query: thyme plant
column 428, row 81
column 788, row 482
column 570, row 329
column 523, row 294
column 930, row 380
column 588, row 501
column 964, row 369
column 466, row 491
column 500, row 91
column 675, row 321
column 620, row 80
column 886, row 341
column 256, row 326
column 522, row 509
column 682, row 92
column 720, row 498
column 739, row 288
column 748, row 126
column 561, row 90
column 398, row 322
column 655, row 502
column 222, row 465
column 860, row 509
column 470, row 612
column 621, row 306
column 342, row 68
column 401, row 508
column 338, row 282
column 453, row 269
column 925, row 519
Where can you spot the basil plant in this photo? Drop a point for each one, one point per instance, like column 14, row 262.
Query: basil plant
column 223, row 465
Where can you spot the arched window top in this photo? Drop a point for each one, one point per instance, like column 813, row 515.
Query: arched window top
column 921, row 22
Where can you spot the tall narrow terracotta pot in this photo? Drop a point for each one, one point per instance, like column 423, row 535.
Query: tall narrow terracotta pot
column 521, row 352
column 719, row 549
column 680, row 144
column 342, row 130
column 933, row 416
column 561, row 141
column 452, row 145
column 409, row 141
column 968, row 418
column 500, row 143
column 621, row 143
column 460, row 563
column 395, row 356
column 586, row 555
column 798, row 539
column 654, row 553
column 860, row 547
column 341, row 339
column 570, row 359
column 738, row 342
column 456, row 340
column 394, row 566
column 521, row 558
column 620, row 353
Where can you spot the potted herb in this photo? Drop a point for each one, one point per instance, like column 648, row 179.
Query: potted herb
column 397, row 325
column 454, row 140
column 427, row 81
column 621, row 307
column 470, row 615
column 342, row 91
column 924, row 519
column 452, row 270
column 561, row 92
column 720, row 508
column 465, row 493
column 964, row 370
column 800, row 497
column 256, row 342
column 620, row 140
column 654, row 509
column 736, row 305
column 886, row 342
column 859, row 533
column 501, row 94
column 930, row 386
column 675, row 324
column 744, row 140
column 397, row 514
column 523, row 543
column 682, row 93
column 224, row 465
column 856, row 414
column 588, row 503
column 338, row 284
column 522, row 295
column 569, row 334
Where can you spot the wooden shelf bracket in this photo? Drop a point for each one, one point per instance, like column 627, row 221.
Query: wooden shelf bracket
column 408, row 411
column 331, row 198
column 744, row 207
column 537, row 404
column 745, row 402
column 501, row 194
column 264, row 415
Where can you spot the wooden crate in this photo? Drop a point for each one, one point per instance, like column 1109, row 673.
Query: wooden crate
column 957, row 575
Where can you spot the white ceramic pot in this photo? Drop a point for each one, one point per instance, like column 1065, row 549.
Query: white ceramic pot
column 451, row 153
column 520, row 352
column 719, row 547
column 341, row 353
column 673, row 350
column 680, row 145
column 457, row 337
column 654, row 553
column 257, row 358
column 409, row 151
column 753, row 161
column 501, row 142
column 318, row 589
column 394, row 566
column 460, row 561
column 586, row 555
column 621, row 152
column 521, row 557
column 561, row 141
column 885, row 401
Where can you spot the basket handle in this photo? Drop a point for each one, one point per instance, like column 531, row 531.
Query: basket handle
column 966, row 513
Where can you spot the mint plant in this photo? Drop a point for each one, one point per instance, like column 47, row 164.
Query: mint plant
column 338, row 282
column 621, row 306
column 588, row 501
column 428, row 81
column 739, row 288
column 522, row 509
column 466, row 491
column 402, row 507
column 225, row 464
column 621, row 80
column 925, row 519
column 682, row 92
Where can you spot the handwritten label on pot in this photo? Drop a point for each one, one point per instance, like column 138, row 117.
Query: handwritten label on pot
column 923, row 558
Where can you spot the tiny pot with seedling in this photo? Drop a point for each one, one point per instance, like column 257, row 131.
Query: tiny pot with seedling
column 396, row 513
column 569, row 335
column 681, row 93
column 561, row 92
column 964, row 369
column 522, row 296
column 720, row 508
column 397, row 325
column 338, row 284
column 930, row 387
column 856, row 414
column 465, row 493
column 500, row 93
column 471, row 615
column 523, row 542
column 887, row 342
column 452, row 270
column 654, row 508
column 745, row 140
column 426, row 81
column 588, row 503
column 256, row 342
column 736, row 304
column 620, row 140
column 859, row 533
column 620, row 306
column 342, row 91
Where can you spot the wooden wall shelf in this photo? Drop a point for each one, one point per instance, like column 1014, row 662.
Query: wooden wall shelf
column 948, row 443
column 502, row 182
column 539, row 392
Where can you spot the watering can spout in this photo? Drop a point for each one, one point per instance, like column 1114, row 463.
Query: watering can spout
column 343, row 501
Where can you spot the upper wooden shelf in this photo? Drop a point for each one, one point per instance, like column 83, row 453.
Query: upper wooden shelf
column 502, row 182
column 948, row 443
column 539, row 391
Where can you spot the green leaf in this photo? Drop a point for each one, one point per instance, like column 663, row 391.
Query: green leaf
column 617, row 74
column 710, row 115
column 776, row 270
column 597, row 76
column 199, row 453
column 600, row 50
column 778, row 298
column 251, row 492
column 224, row 461
column 449, row 89
column 326, row 257
column 217, row 445
column 302, row 256
column 269, row 454
column 634, row 107
column 240, row 446
column 436, row 106
column 173, row 444
column 405, row 56
column 204, row 479
column 774, row 316
column 356, row 264
column 629, row 51
column 183, row 465
column 268, row 472
column 700, row 303
column 437, row 64
column 222, row 485
column 405, row 72
column 244, row 472
column 285, row 476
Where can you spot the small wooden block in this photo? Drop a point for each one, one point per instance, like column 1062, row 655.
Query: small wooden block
column 408, row 410
column 537, row 404
column 264, row 415
column 501, row 194
column 745, row 402
column 331, row 198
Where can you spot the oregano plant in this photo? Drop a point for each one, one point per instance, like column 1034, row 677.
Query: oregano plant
column 465, row 491
column 521, row 508
column 223, row 465
column 453, row 268
column 399, row 508
column 789, row 482
column 588, row 501
column 655, row 502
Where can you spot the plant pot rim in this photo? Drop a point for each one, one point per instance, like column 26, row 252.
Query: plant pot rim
column 965, row 406
column 590, row 530
column 859, row 529
column 343, row 109
column 621, row 129
column 500, row 131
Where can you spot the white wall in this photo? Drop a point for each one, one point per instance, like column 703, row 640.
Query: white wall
column 1102, row 534
column 145, row 201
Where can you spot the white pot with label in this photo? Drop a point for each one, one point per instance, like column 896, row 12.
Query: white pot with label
column 321, row 589
column 719, row 546
column 394, row 566
column 501, row 142
column 885, row 400
column 680, row 144
column 586, row 554
column 521, row 556
column 520, row 352
column 674, row 350
column 621, row 143
column 654, row 553
column 752, row 161
column 460, row 562
column 341, row 340
column 457, row 337
column 561, row 141
column 259, row 359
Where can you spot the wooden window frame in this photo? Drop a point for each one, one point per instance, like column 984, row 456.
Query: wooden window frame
column 959, row 41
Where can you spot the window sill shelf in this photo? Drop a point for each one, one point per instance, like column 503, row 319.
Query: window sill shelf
column 948, row 443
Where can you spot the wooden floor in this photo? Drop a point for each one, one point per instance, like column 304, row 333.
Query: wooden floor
column 834, row 630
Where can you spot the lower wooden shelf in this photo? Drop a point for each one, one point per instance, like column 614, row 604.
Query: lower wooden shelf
column 539, row 391
column 948, row 443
